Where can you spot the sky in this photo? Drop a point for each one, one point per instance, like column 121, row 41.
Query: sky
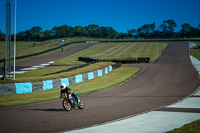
column 122, row 15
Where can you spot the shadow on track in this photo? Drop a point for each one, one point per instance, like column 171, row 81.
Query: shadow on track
column 49, row 110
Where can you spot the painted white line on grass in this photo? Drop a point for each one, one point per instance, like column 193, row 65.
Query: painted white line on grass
column 28, row 69
column 38, row 66
column 50, row 62
column 44, row 64
column 18, row 72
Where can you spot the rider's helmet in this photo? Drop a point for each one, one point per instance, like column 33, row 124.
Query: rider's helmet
column 63, row 86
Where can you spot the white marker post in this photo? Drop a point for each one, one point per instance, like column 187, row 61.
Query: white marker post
column 15, row 36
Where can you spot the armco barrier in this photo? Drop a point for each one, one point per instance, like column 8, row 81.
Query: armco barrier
column 90, row 75
column 49, row 84
column 37, row 86
column 23, row 87
column 65, row 81
column 100, row 73
column 7, row 89
column 79, row 78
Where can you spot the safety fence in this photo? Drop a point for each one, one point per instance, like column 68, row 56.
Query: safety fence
column 50, row 84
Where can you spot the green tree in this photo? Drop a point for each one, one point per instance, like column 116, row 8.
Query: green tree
column 162, row 31
column 35, row 33
column 2, row 36
column 189, row 31
column 146, row 30
column 111, row 33
column 78, row 31
column 47, row 34
column 102, row 32
column 70, row 31
column 170, row 27
column 93, row 30
column 186, row 29
column 27, row 35
column 63, row 30
column 53, row 31
column 131, row 32
column 85, row 31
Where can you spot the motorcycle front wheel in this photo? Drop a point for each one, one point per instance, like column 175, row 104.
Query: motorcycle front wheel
column 66, row 105
column 80, row 105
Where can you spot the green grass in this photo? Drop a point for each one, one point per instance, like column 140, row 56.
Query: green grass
column 26, row 48
column 40, row 72
column 85, row 87
column 106, row 81
column 196, row 52
column 21, row 47
column 120, row 51
column 193, row 127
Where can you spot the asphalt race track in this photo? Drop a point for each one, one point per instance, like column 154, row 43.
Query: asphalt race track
column 169, row 79
column 55, row 55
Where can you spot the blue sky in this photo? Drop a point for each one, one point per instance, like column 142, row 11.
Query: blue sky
column 120, row 14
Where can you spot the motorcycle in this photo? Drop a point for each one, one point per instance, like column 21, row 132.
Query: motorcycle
column 71, row 101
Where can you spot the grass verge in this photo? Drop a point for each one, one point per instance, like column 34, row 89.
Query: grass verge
column 193, row 127
column 117, row 50
column 89, row 86
column 195, row 51
column 45, row 73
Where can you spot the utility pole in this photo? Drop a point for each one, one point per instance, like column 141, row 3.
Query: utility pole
column 7, row 65
column 15, row 36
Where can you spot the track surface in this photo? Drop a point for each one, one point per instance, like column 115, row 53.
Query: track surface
column 55, row 55
column 171, row 78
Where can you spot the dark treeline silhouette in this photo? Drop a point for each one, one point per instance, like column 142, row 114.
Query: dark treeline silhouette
column 36, row 33
column 147, row 31
column 165, row 31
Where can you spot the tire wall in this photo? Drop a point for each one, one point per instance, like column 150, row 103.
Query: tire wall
column 131, row 61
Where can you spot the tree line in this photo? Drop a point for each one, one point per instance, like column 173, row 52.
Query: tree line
column 36, row 33
column 165, row 30
column 147, row 31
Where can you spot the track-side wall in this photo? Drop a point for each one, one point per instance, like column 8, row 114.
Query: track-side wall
column 50, row 84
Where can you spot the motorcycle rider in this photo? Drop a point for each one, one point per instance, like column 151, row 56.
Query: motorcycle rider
column 65, row 89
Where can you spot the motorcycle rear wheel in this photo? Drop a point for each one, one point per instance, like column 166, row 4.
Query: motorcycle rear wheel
column 81, row 105
column 66, row 105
